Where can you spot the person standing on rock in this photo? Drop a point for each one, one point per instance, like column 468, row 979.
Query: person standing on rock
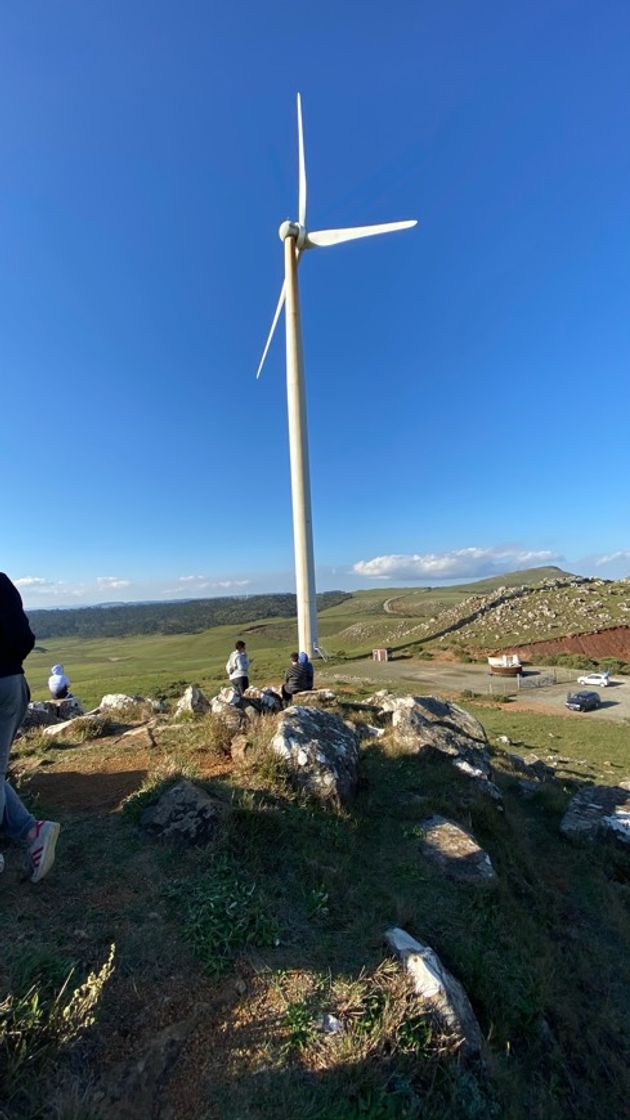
column 16, row 642
column 237, row 668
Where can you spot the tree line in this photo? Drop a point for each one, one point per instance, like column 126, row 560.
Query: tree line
column 182, row 617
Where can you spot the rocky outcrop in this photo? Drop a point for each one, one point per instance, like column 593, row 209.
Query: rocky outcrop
column 323, row 696
column 426, row 723
column 441, row 993
column 184, row 813
column 192, row 702
column 321, row 750
column 599, row 813
column 118, row 701
column 45, row 713
column 228, row 705
column 266, row 700
column 455, row 852
column 532, row 767
column 40, row 713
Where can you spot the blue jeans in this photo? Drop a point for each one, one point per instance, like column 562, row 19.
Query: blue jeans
column 15, row 820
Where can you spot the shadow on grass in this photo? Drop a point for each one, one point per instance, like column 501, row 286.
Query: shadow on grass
column 73, row 791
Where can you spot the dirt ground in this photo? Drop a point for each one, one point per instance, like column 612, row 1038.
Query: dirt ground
column 454, row 678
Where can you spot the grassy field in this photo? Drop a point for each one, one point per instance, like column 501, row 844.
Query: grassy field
column 417, row 622
column 227, row 956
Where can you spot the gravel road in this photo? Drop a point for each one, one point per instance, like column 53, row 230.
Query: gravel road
column 452, row 677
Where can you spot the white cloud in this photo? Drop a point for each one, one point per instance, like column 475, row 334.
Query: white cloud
column 37, row 589
column 462, row 563
column 613, row 557
column 114, row 583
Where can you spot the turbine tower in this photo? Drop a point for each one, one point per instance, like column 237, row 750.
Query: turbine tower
column 297, row 239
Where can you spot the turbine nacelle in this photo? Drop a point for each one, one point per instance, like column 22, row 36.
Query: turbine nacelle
column 296, row 231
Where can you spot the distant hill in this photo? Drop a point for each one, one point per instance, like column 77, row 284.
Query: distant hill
column 527, row 577
column 188, row 616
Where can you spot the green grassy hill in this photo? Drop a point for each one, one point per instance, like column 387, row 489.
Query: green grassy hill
column 464, row 618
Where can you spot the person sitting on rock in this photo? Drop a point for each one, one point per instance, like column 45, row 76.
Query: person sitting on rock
column 58, row 683
column 309, row 672
column 294, row 679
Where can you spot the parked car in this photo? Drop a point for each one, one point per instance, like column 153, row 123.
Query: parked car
column 582, row 701
column 602, row 680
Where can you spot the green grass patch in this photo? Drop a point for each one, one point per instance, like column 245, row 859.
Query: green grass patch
column 223, row 913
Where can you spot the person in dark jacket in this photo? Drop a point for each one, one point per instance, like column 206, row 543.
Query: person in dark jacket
column 294, row 679
column 16, row 642
column 309, row 672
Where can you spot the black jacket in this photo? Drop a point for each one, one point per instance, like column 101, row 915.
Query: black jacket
column 295, row 678
column 16, row 637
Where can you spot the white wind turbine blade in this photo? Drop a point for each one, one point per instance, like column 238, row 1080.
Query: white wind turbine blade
column 323, row 237
column 302, row 166
column 273, row 327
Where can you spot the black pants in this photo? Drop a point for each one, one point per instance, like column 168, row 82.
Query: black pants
column 240, row 684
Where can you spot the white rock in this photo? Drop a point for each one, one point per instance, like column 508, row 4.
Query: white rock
column 115, row 701
column 193, row 700
column 322, row 750
column 443, row 994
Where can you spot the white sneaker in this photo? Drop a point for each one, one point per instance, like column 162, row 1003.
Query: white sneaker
column 41, row 850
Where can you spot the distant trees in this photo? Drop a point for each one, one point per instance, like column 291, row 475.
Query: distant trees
column 183, row 617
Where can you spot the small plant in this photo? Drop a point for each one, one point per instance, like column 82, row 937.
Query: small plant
column 414, row 1035
column 224, row 913
column 299, row 1020
column 317, row 903
column 35, row 1025
column 370, row 1020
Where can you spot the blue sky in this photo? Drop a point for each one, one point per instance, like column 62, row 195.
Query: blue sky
column 467, row 380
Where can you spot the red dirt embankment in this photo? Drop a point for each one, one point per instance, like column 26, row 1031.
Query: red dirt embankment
column 599, row 643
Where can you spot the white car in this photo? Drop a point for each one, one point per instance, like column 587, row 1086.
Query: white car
column 602, row 680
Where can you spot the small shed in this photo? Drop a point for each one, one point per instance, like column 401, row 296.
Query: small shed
column 382, row 654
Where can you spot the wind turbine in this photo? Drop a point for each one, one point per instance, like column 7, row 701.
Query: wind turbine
column 296, row 240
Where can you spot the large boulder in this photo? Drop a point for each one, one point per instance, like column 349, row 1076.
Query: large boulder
column 426, row 723
column 599, row 813
column 184, row 813
column 193, row 701
column 441, row 993
column 424, row 710
column 321, row 750
column 455, row 851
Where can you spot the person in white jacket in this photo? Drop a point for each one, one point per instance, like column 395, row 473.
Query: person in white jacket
column 58, row 683
column 237, row 668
